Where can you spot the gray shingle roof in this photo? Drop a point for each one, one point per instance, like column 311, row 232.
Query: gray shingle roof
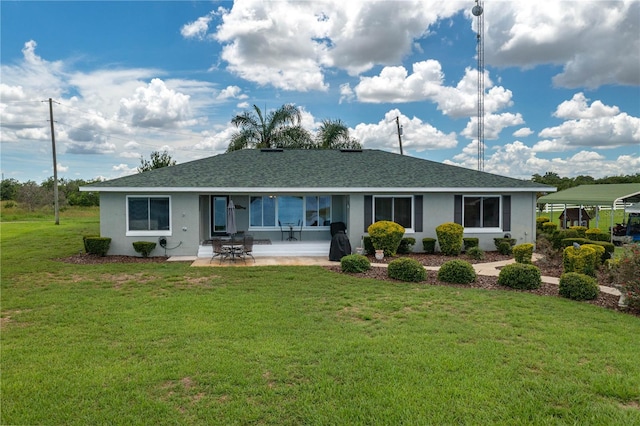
column 253, row 168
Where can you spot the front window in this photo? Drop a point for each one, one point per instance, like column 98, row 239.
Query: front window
column 270, row 211
column 317, row 211
column 481, row 212
column 148, row 216
column 394, row 209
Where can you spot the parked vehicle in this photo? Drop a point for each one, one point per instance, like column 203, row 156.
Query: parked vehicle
column 624, row 233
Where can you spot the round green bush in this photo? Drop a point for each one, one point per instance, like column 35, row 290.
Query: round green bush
column 406, row 245
column 406, row 269
column 144, row 247
column 457, row 271
column 470, row 242
column 578, row 286
column 450, row 238
column 475, row 253
column 523, row 253
column 355, row 263
column 549, row 227
column 522, row 276
column 429, row 245
column 386, row 235
column 540, row 221
column 504, row 247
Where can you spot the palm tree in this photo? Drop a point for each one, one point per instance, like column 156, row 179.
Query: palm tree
column 279, row 129
column 334, row 134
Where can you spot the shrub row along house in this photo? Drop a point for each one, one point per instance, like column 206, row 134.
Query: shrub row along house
column 278, row 191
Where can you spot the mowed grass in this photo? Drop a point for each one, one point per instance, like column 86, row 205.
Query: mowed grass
column 170, row 344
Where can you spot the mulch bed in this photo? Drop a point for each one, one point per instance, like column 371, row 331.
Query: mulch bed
column 92, row 259
column 547, row 268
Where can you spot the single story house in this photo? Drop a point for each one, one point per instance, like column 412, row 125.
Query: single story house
column 185, row 205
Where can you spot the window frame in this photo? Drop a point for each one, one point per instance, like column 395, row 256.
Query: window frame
column 483, row 228
column 148, row 232
column 277, row 211
column 407, row 230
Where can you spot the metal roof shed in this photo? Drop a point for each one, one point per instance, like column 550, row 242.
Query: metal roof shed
column 595, row 195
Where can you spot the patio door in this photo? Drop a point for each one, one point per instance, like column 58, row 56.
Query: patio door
column 219, row 214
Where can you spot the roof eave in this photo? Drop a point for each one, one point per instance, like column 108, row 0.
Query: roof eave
column 327, row 190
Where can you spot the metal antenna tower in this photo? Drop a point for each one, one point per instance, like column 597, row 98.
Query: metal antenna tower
column 477, row 12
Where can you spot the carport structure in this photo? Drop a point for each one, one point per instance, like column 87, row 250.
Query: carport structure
column 595, row 195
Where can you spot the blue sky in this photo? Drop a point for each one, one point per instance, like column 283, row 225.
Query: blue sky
column 562, row 82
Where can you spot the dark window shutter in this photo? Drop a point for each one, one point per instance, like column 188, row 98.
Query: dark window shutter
column 506, row 212
column 417, row 216
column 368, row 212
column 457, row 209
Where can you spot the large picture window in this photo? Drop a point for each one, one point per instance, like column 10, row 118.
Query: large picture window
column 395, row 209
column 269, row 211
column 148, row 215
column 481, row 212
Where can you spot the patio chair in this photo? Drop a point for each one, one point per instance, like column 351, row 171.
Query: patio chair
column 247, row 247
column 283, row 231
column 218, row 250
column 298, row 230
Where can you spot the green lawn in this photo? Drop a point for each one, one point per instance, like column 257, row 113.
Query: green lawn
column 170, row 344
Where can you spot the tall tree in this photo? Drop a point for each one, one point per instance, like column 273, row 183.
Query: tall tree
column 334, row 134
column 278, row 129
column 157, row 161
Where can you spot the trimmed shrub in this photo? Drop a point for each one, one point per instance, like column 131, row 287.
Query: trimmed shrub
column 355, row 263
column 97, row 245
column 84, row 241
column 598, row 236
column 592, row 232
column 609, row 248
column 549, row 227
column 368, row 245
column 559, row 235
column 450, row 238
column 504, row 247
column 475, row 253
column 521, row 276
column 600, row 253
column 498, row 241
column 578, row 286
column 144, row 247
column 523, row 253
column 469, row 242
column 566, row 242
column 406, row 245
column 406, row 269
column 457, row 271
column 429, row 245
column 540, row 221
column 386, row 235
column 580, row 230
column 582, row 260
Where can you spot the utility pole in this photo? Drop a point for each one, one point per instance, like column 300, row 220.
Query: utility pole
column 399, row 133
column 56, row 206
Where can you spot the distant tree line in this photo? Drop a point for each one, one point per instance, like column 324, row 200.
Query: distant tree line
column 553, row 179
column 32, row 195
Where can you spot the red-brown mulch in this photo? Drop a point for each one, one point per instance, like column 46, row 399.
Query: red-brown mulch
column 92, row 259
